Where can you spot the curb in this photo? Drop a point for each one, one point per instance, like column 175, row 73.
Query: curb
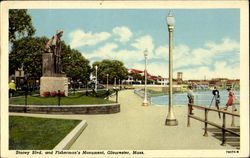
column 67, row 109
column 64, row 105
column 67, row 141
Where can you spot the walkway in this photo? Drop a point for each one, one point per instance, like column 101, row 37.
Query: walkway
column 137, row 127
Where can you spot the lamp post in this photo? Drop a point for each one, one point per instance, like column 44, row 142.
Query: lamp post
column 119, row 83
column 96, row 67
column 115, row 82
column 170, row 121
column 107, row 81
column 145, row 101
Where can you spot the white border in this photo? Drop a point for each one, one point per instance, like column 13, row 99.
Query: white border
column 244, row 65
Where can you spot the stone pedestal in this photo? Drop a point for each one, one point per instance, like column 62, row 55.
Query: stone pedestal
column 50, row 84
column 48, row 64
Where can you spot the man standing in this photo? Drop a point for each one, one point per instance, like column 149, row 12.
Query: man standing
column 216, row 94
column 190, row 96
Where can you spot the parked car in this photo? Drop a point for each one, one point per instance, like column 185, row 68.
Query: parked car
column 83, row 86
column 99, row 86
column 136, row 82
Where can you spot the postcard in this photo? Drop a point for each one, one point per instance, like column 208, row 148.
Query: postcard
column 124, row 79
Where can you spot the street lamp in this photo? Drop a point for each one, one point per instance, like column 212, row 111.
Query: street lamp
column 96, row 67
column 107, row 81
column 119, row 83
column 170, row 121
column 115, row 82
column 145, row 102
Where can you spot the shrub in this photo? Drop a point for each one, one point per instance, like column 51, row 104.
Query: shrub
column 62, row 94
column 53, row 94
column 100, row 93
column 46, row 94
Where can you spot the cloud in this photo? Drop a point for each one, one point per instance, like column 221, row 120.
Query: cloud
column 213, row 59
column 161, row 52
column 200, row 62
column 79, row 38
column 111, row 51
column 144, row 42
column 206, row 56
column 154, row 68
column 226, row 45
column 158, row 68
column 107, row 51
column 181, row 51
column 221, row 70
column 123, row 34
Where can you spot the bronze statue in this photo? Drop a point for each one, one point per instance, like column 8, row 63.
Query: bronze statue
column 54, row 46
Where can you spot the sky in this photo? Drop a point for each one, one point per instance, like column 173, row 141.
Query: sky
column 206, row 42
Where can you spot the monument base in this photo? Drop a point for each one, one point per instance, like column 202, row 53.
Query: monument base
column 51, row 84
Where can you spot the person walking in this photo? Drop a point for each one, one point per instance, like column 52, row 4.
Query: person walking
column 12, row 88
column 190, row 95
column 231, row 99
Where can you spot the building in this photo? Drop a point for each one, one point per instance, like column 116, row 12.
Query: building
column 136, row 71
column 18, row 77
column 235, row 84
column 163, row 81
column 224, row 83
column 134, row 77
column 139, row 79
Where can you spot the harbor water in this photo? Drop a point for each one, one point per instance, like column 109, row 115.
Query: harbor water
column 200, row 97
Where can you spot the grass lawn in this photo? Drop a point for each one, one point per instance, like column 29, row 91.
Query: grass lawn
column 31, row 133
column 70, row 100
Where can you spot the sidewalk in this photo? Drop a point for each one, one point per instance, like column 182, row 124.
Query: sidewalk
column 143, row 128
column 138, row 127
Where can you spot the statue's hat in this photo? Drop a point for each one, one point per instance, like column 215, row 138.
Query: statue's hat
column 59, row 31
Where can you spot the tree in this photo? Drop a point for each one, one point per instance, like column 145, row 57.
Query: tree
column 114, row 68
column 20, row 24
column 75, row 65
column 136, row 76
column 27, row 52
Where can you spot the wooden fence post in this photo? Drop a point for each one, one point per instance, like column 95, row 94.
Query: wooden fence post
column 205, row 133
column 223, row 130
column 189, row 111
column 59, row 97
column 233, row 124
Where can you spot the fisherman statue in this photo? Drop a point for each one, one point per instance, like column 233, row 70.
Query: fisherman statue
column 53, row 78
column 54, row 46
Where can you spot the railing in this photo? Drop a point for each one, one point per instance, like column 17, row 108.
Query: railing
column 223, row 99
column 139, row 93
column 204, row 99
column 223, row 127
